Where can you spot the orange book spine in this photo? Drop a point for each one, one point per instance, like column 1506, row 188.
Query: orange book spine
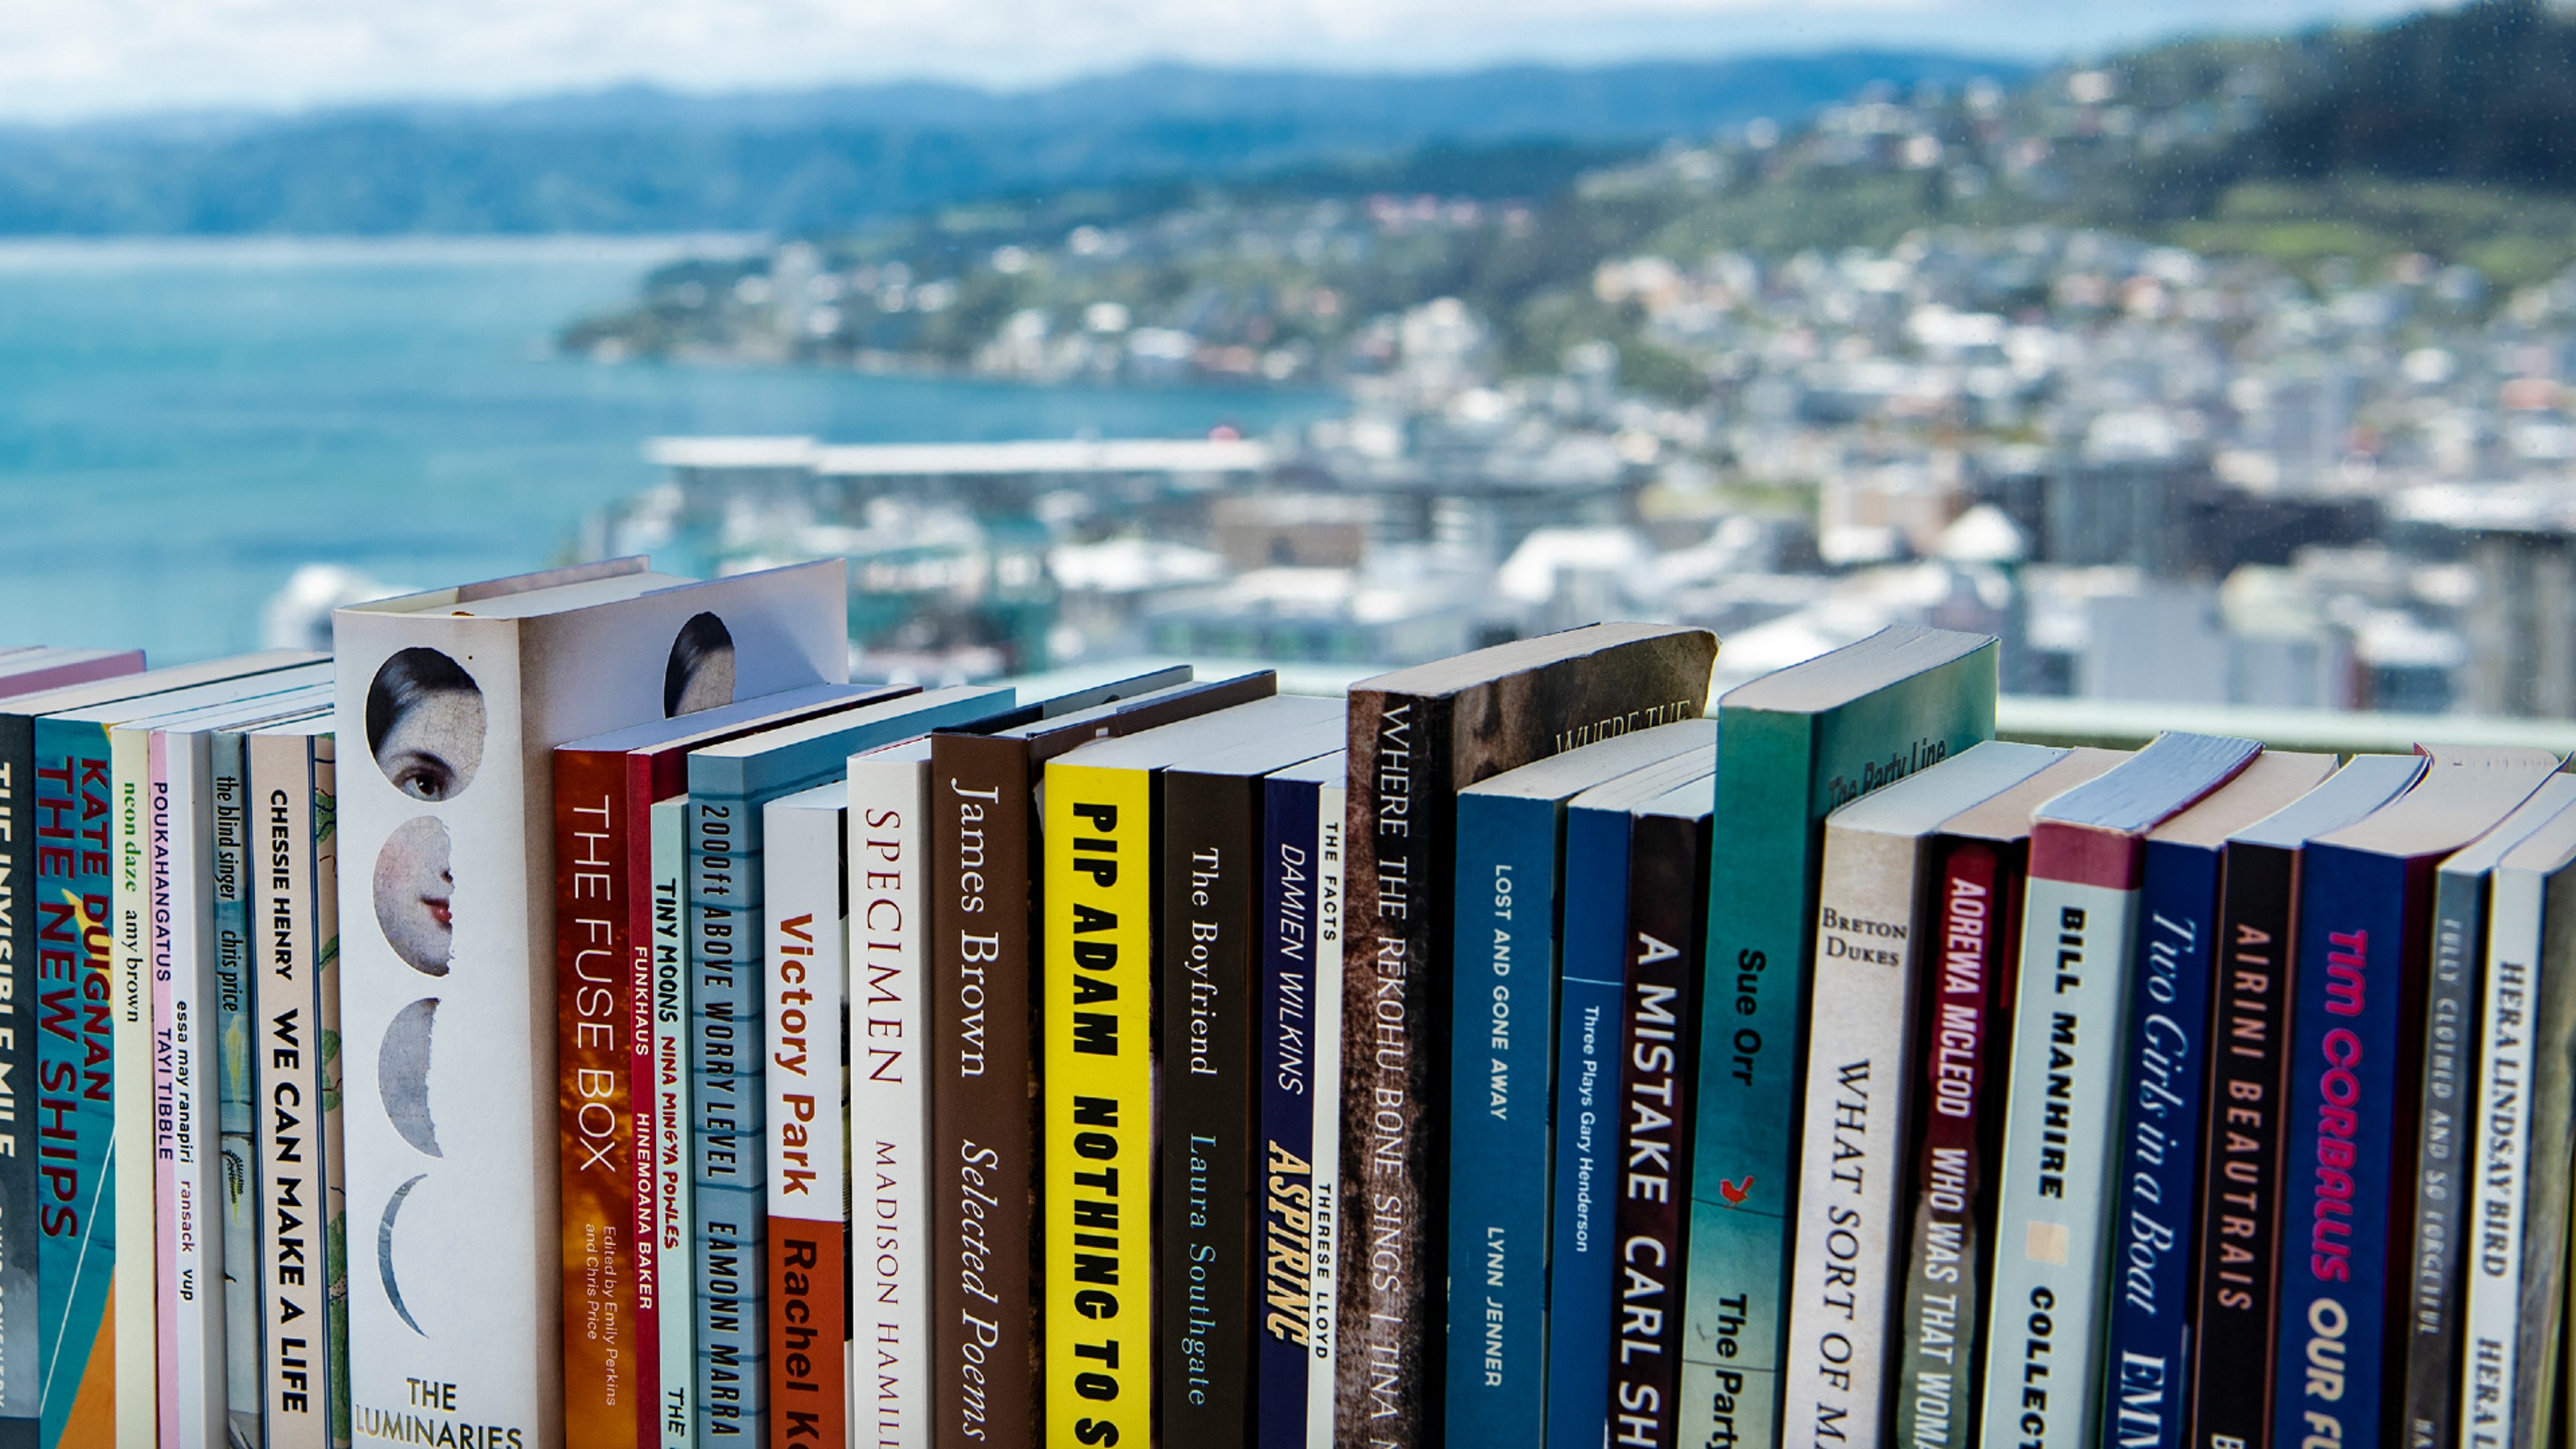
column 603, row 1342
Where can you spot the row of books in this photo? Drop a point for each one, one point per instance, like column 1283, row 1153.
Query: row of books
column 1507, row 1055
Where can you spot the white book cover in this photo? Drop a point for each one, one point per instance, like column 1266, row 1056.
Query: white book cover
column 451, row 704
column 2061, row 1148
column 193, row 1314
column 1875, row 923
column 805, row 975
column 889, row 1128
column 2053, row 1194
column 146, row 1379
column 287, row 1042
column 1330, row 807
column 2516, row 1246
column 196, row 1292
column 679, row 1292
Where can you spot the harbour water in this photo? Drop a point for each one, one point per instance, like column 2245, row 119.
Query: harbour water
column 183, row 424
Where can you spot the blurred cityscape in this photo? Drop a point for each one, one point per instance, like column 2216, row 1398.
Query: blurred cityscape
column 2177, row 370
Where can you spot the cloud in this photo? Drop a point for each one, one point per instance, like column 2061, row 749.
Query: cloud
column 65, row 58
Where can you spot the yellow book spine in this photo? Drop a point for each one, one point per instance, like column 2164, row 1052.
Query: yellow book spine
column 1099, row 1107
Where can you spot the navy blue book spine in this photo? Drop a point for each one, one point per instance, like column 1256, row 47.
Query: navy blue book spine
column 1283, row 1356
column 2358, row 912
column 1502, row 1008
column 1581, row 1287
column 2163, row 1086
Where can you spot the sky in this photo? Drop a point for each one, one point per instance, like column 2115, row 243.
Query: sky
column 74, row 59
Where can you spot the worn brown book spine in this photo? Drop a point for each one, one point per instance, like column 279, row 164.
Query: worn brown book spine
column 1659, row 1067
column 983, row 1099
column 1204, row 994
column 2240, row 1211
column 603, row 1334
column 1400, row 812
column 1409, row 756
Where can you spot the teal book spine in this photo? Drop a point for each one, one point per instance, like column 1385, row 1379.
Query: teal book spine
column 236, row 1089
column 76, row 846
column 728, row 1121
column 672, row 1118
column 1501, row 1027
column 1778, row 775
column 729, row 1204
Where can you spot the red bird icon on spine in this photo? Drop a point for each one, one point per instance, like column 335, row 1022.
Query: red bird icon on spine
column 1734, row 1192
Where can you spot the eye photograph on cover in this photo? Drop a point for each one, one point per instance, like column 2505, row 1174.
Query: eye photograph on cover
column 425, row 723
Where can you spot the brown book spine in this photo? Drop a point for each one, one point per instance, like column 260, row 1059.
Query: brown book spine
column 809, row 1328
column 1204, row 993
column 594, row 980
column 1389, row 1358
column 983, row 1099
column 1667, row 936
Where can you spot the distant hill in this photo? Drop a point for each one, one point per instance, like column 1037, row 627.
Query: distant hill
column 637, row 159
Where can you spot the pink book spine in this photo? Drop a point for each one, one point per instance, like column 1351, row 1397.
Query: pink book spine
column 165, row 1092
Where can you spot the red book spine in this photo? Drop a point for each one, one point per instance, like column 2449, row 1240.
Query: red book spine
column 593, row 979
column 643, row 1359
column 1965, row 1044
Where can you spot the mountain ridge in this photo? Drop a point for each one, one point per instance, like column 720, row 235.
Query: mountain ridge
column 637, row 158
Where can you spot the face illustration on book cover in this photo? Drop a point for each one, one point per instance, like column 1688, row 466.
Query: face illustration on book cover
column 415, row 891
column 425, row 723
column 425, row 727
column 700, row 674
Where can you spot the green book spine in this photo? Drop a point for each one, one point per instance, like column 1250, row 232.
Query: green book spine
column 1778, row 775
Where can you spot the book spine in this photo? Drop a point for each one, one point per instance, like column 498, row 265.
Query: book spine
column 1581, row 1273
column 2445, row 1142
column 160, row 906
column 1097, row 1153
column 237, row 1087
column 197, row 1283
column 1283, row 1346
column 2238, row 1277
column 1204, row 981
column 1844, row 1258
column 639, row 1135
column 2043, row 1321
column 2491, row 1412
column 331, row 1373
column 20, row 1359
column 806, row 976
column 1658, row 1067
column 2147, row 1349
column 1401, row 808
column 983, row 1078
column 1964, row 1045
column 728, row 1197
column 1762, row 893
column 889, row 885
column 2356, row 914
column 133, row 1305
column 594, row 1111
column 293, row 1188
column 1332, row 935
column 674, row 1103
column 2541, row 1398
column 1502, row 1016
column 76, row 853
